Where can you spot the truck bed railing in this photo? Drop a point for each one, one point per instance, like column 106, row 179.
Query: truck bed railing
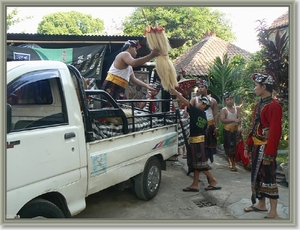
column 134, row 116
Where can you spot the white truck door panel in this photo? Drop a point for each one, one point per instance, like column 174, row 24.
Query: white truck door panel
column 49, row 152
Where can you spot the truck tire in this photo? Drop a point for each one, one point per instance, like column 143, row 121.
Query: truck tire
column 147, row 183
column 40, row 208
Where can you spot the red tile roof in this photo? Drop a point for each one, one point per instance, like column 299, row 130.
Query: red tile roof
column 198, row 58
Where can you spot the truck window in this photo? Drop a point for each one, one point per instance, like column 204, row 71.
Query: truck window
column 36, row 101
column 36, row 93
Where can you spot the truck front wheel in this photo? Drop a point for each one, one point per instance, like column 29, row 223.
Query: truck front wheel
column 40, row 208
column 147, row 183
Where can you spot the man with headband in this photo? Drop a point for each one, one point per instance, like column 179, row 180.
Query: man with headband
column 152, row 107
column 231, row 118
column 212, row 131
column 121, row 72
column 262, row 144
column 197, row 159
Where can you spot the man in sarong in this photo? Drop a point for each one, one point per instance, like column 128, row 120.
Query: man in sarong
column 212, row 131
column 121, row 72
column 197, row 159
column 231, row 118
column 262, row 144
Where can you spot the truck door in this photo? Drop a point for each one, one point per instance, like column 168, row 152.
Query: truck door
column 42, row 145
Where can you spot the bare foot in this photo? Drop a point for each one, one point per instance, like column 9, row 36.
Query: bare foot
column 193, row 186
column 272, row 217
column 213, row 183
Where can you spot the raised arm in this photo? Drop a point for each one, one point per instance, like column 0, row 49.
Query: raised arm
column 129, row 60
column 180, row 97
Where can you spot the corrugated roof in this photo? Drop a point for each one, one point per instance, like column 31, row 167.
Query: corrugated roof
column 65, row 41
column 199, row 57
column 282, row 21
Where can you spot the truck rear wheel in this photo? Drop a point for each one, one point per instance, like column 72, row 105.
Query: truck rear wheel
column 147, row 183
column 40, row 208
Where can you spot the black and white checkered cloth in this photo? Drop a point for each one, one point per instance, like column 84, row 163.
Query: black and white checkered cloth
column 186, row 127
column 108, row 129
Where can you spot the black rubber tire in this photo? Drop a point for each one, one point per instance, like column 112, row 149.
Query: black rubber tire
column 40, row 208
column 146, row 184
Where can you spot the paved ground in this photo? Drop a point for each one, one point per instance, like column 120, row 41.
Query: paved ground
column 236, row 190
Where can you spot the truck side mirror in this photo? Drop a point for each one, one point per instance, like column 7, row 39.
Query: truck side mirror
column 8, row 117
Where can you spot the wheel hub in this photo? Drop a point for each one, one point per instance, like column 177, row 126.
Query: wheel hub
column 153, row 179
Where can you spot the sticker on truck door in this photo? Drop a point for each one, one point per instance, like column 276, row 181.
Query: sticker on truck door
column 168, row 141
column 98, row 164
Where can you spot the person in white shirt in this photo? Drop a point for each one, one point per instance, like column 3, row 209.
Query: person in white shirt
column 121, row 72
column 231, row 118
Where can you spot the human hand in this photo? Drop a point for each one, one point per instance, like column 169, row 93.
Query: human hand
column 238, row 120
column 216, row 132
column 185, row 114
column 150, row 87
column 265, row 162
column 155, row 52
column 149, row 95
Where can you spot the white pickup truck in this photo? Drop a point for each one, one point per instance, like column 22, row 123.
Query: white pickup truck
column 64, row 145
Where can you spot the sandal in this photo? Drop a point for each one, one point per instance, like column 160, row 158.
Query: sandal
column 233, row 169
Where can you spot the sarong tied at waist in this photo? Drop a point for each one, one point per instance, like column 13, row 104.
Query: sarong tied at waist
column 259, row 142
column 231, row 128
column 210, row 122
column 197, row 139
column 116, row 80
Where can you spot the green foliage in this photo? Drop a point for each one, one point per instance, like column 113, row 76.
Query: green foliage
column 70, row 23
column 285, row 121
column 244, row 88
column 275, row 58
column 181, row 22
column 220, row 76
column 282, row 158
column 12, row 18
column 283, row 145
column 220, row 138
column 224, row 75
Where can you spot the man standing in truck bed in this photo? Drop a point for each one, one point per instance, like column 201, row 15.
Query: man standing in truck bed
column 121, row 72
